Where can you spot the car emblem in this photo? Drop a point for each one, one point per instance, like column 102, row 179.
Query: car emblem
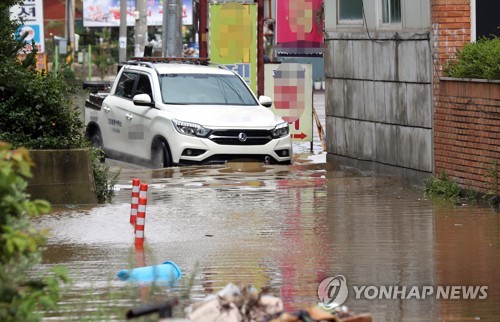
column 242, row 137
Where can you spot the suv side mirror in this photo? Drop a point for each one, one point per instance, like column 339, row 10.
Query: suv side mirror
column 265, row 101
column 143, row 100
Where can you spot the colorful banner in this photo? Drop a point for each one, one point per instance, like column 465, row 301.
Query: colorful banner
column 31, row 11
column 289, row 85
column 299, row 27
column 233, row 39
column 106, row 13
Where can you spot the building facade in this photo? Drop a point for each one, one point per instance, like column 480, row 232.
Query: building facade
column 383, row 66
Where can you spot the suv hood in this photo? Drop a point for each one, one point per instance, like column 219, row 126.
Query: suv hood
column 215, row 116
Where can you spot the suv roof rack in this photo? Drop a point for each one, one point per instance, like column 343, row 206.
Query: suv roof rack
column 184, row 60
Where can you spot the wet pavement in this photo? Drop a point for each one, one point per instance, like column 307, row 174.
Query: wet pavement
column 286, row 227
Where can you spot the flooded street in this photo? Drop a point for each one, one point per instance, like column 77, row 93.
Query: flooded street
column 288, row 227
column 285, row 227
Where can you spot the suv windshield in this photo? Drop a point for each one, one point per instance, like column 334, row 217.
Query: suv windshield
column 205, row 89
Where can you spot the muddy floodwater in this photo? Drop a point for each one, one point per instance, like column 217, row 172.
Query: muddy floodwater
column 287, row 227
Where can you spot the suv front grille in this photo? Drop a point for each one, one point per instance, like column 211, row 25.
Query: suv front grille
column 241, row 137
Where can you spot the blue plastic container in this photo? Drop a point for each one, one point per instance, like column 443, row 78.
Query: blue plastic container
column 168, row 273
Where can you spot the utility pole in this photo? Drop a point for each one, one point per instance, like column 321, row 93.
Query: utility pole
column 70, row 29
column 122, row 41
column 141, row 27
column 260, row 47
column 172, row 25
column 203, row 29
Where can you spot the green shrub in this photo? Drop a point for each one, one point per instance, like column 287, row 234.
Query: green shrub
column 476, row 60
column 103, row 177
column 36, row 108
column 442, row 187
column 491, row 184
column 40, row 116
column 22, row 296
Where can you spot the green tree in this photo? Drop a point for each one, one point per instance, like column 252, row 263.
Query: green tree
column 36, row 107
column 22, row 295
column 103, row 58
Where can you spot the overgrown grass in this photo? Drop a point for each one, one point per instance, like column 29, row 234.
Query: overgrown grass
column 104, row 178
column 491, row 184
column 442, row 187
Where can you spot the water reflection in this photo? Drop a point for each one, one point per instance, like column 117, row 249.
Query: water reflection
column 288, row 228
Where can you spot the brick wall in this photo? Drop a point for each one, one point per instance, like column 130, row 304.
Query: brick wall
column 467, row 132
column 466, row 114
column 450, row 28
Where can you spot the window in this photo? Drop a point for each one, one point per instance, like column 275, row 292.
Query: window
column 391, row 11
column 205, row 89
column 126, row 85
column 350, row 10
column 144, row 86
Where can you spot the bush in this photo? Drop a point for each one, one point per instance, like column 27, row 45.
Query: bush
column 442, row 187
column 21, row 296
column 41, row 115
column 35, row 107
column 103, row 177
column 476, row 60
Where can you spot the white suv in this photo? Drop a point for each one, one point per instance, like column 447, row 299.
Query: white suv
column 163, row 114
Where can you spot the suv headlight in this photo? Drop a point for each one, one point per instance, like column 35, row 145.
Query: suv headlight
column 280, row 130
column 191, row 129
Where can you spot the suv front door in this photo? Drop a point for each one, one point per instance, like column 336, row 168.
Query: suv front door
column 136, row 134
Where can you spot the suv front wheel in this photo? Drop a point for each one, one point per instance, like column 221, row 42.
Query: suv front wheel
column 160, row 157
column 96, row 140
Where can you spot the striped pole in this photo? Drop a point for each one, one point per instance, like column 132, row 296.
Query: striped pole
column 141, row 221
column 143, row 190
column 135, row 200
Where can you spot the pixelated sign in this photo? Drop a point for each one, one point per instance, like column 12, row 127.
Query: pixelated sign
column 233, row 39
column 299, row 27
column 106, row 13
column 289, row 85
column 31, row 12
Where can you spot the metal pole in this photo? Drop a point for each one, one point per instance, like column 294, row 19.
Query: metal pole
column 56, row 59
column 141, row 27
column 203, row 29
column 90, row 61
column 260, row 47
column 123, row 32
column 172, row 37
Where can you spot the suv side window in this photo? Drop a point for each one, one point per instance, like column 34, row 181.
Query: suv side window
column 144, row 86
column 126, row 85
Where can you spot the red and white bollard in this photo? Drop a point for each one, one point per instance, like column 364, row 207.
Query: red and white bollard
column 135, row 200
column 141, row 215
column 143, row 190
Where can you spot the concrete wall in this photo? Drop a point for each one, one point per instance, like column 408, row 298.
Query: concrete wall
column 62, row 177
column 379, row 102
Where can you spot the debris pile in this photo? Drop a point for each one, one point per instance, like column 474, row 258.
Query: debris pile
column 246, row 304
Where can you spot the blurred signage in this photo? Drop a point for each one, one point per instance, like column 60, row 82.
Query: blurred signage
column 233, row 39
column 106, row 13
column 289, row 85
column 31, row 14
column 299, row 27
column 41, row 60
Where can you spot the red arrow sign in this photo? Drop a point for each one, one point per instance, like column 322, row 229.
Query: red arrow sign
column 300, row 136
